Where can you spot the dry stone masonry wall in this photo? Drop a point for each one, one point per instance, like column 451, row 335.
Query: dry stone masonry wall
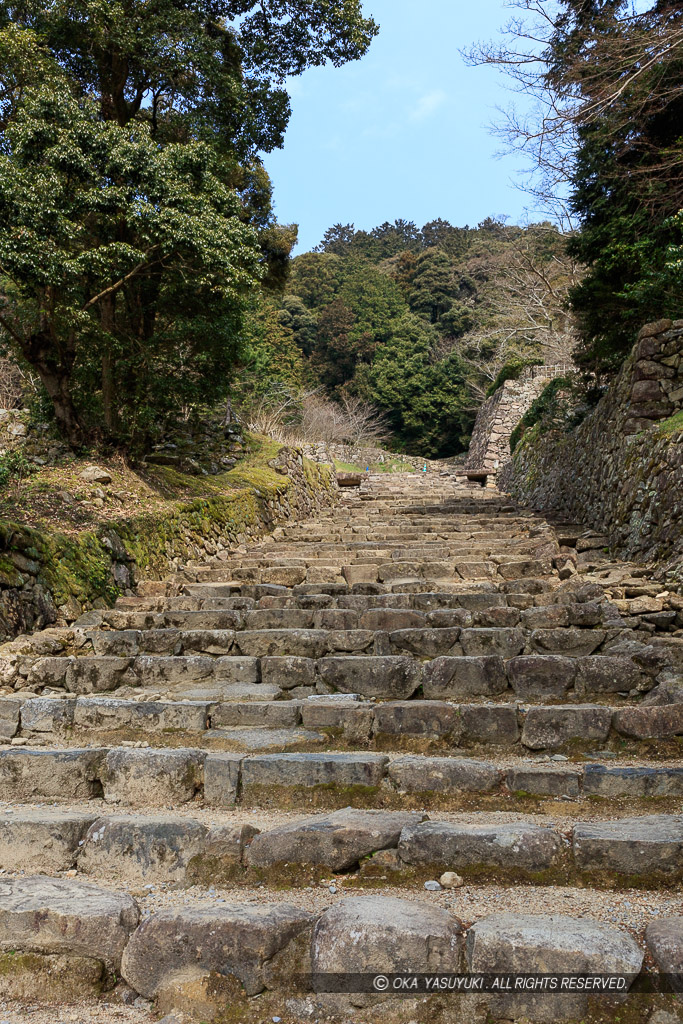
column 48, row 579
column 621, row 470
column 498, row 416
column 362, row 455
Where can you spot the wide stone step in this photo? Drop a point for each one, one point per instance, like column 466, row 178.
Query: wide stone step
column 193, row 955
column 415, row 724
column 409, row 845
column 480, row 662
column 169, row 776
column 483, row 600
column 281, row 613
column 387, row 573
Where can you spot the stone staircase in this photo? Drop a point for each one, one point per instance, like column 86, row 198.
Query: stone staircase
column 407, row 736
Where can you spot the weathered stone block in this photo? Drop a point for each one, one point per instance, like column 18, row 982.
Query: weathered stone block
column 221, row 779
column 426, row 643
column 453, row 677
column 369, row 934
column 141, row 848
column 503, row 642
column 310, row 770
column 511, row 847
column 231, row 940
column 303, row 643
column 664, row 940
column 651, row 722
column 42, row 839
column 539, row 676
column 391, row 677
column 547, row 943
column 608, row 675
column 288, row 671
column 636, row 783
column 50, row 915
column 449, row 775
column 429, row 718
column 97, row 675
column 391, row 619
column 337, row 841
column 551, row 727
column 542, row 781
column 572, row 642
column 50, row 774
column 151, row 776
column 495, row 725
column 648, row 846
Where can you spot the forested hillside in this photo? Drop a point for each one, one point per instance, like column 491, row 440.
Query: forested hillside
column 145, row 281
column 417, row 323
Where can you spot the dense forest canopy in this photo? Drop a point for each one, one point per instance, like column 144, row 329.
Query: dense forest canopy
column 418, row 322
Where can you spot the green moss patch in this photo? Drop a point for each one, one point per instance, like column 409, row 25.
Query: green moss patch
column 179, row 512
column 672, row 425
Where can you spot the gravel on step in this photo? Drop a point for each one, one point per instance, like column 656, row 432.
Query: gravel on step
column 564, row 817
column 12, row 1012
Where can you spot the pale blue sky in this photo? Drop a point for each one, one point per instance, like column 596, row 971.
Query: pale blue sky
column 403, row 132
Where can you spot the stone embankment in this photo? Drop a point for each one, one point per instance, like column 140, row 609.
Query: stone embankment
column 498, row 416
column 620, row 471
column 50, row 577
column 366, row 456
column 408, row 734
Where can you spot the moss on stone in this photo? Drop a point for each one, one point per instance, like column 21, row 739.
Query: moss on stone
column 672, row 425
column 245, row 500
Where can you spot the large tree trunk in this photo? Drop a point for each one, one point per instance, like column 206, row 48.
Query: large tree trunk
column 107, row 319
column 55, row 375
column 65, row 411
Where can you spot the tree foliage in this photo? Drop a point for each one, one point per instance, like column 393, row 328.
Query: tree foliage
column 606, row 150
column 420, row 321
column 136, row 216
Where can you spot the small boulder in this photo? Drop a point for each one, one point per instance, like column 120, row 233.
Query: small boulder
column 336, row 841
column 95, row 475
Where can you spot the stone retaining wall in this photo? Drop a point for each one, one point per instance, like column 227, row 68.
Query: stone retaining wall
column 362, row 455
column 489, row 448
column 621, row 470
column 47, row 578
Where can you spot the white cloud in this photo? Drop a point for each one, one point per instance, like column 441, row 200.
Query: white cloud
column 427, row 105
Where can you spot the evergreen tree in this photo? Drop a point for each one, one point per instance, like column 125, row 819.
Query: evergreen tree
column 136, row 217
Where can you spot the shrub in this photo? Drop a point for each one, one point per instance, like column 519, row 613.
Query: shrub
column 512, row 370
column 551, row 408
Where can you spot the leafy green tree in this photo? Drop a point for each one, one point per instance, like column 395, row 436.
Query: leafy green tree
column 438, row 290
column 302, row 322
column 374, row 299
column 270, row 355
column 626, row 246
column 441, row 234
column 316, row 278
column 136, row 218
column 422, row 394
column 337, row 240
column 338, row 349
column 118, row 253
